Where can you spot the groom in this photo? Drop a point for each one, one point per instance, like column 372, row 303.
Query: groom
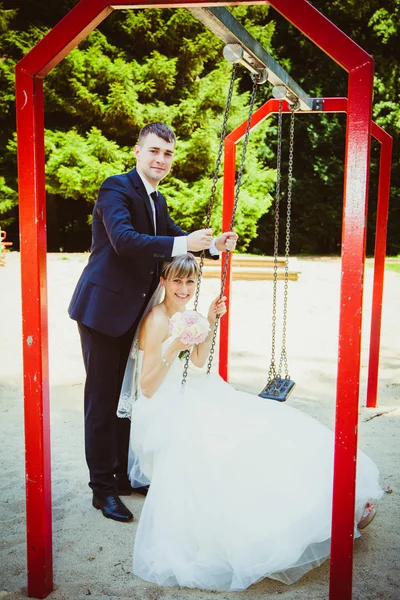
column 132, row 233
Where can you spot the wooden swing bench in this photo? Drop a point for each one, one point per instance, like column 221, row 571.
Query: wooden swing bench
column 257, row 268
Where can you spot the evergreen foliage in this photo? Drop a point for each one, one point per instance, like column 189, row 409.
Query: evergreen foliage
column 320, row 139
column 162, row 64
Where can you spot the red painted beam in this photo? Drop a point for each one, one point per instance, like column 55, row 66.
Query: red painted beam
column 64, row 37
column 121, row 4
column 330, row 105
column 81, row 20
column 351, row 294
column 32, row 208
column 323, row 33
column 379, row 264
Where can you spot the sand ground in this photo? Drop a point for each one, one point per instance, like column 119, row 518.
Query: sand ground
column 92, row 555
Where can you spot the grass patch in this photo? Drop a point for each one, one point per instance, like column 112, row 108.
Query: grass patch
column 393, row 267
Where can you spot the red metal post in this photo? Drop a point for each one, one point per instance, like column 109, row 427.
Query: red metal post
column 379, row 264
column 358, row 140
column 359, row 65
column 227, row 210
column 32, row 207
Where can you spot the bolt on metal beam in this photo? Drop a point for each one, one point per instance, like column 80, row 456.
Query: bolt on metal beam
column 251, row 54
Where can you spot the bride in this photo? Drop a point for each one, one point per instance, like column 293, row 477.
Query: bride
column 198, row 444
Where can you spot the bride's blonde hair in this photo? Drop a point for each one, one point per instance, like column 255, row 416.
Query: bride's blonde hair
column 182, row 266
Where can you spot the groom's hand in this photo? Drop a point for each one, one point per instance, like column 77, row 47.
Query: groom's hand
column 199, row 240
column 226, row 241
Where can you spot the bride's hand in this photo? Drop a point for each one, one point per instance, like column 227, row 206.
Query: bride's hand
column 217, row 308
column 177, row 346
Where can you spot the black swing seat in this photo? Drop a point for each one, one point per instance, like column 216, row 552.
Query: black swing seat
column 278, row 389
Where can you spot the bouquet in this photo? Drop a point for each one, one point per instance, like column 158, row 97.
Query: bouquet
column 190, row 327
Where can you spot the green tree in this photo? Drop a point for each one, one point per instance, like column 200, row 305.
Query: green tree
column 137, row 67
column 320, row 139
column 144, row 65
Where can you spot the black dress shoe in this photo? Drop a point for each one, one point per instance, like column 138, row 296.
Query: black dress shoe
column 112, row 507
column 123, row 485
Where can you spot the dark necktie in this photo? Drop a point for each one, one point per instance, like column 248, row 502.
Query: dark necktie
column 154, row 196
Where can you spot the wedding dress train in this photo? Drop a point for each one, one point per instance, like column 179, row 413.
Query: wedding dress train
column 241, row 487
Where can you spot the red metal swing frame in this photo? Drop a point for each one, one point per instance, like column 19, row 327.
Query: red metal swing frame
column 30, row 71
column 330, row 105
column 346, row 412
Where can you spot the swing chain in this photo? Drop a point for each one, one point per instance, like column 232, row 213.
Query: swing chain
column 283, row 362
column 227, row 253
column 272, row 367
column 215, row 178
column 212, row 198
column 278, row 388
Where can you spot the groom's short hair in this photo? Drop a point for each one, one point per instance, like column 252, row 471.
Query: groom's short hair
column 159, row 129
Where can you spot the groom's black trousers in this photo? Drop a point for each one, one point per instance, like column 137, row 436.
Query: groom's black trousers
column 106, row 435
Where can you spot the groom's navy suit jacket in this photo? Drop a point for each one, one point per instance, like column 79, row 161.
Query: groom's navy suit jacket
column 121, row 273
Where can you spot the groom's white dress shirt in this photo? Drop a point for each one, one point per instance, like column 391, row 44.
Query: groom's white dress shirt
column 180, row 242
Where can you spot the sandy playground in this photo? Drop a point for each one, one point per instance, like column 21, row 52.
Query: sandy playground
column 92, row 555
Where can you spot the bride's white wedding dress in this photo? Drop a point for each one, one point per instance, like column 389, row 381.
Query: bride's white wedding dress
column 240, row 489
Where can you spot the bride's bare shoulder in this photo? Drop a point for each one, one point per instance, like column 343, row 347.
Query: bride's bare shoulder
column 156, row 320
column 158, row 315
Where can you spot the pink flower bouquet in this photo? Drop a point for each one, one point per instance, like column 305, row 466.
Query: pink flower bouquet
column 190, row 327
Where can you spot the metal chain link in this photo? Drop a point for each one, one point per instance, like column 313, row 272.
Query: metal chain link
column 212, row 198
column 215, row 177
column 283, row 362
column 272, row 367
column 233, row 218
